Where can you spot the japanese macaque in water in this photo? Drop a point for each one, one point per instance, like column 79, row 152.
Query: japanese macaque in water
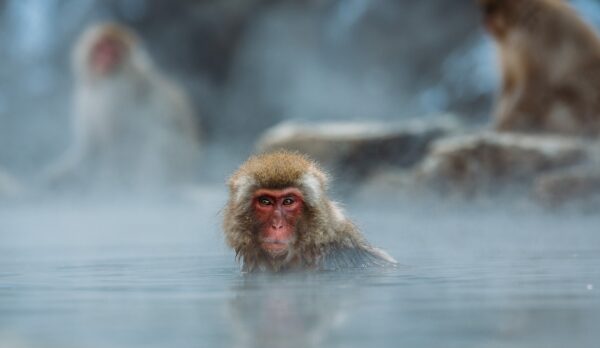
column 279, row 218
column 132, row 126
column 550, row 67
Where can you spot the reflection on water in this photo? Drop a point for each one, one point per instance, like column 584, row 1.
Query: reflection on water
column 160, row 276
column 291, row 310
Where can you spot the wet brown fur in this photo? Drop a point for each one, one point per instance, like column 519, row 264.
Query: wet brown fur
column 550, row 63
column 319, row 232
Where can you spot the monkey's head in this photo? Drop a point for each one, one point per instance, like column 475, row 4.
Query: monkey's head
column 502, row 16
column 275, row 207
column 103, row 49
column 498, row 15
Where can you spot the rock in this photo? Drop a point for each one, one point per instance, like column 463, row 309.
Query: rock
column 486, row 162
column 577, row 187
column 353, row 150
column 387, row 185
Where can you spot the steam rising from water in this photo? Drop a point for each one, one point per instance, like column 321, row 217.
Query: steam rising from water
column 351, row 60
column 117, row 271
column 141, row 274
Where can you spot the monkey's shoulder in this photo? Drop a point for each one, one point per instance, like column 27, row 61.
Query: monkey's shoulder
column 355, row 256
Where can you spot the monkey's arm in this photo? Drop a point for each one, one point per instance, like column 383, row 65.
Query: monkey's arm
column 77, row 162
column 70, row 169
column 525, row 112
column 505, row 116
column 521, row 108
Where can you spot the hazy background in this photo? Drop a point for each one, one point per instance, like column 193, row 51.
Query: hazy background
column 251, row 63
column 158, row 274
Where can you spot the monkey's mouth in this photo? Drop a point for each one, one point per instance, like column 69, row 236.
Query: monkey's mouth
column 275, row 247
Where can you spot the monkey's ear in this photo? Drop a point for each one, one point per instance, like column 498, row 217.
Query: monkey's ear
column 241, row 187
column 314, row 184
column 322, row 177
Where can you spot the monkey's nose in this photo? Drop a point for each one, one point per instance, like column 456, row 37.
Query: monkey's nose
column 277, row 220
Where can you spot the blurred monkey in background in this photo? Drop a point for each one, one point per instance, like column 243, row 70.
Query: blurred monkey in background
column 132, row 127
column 550, row 63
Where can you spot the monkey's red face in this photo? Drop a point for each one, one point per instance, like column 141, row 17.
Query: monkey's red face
column 277, row 212
column 106, row 55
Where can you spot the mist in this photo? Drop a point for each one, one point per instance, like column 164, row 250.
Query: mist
column 348, row 61
column 112, row 266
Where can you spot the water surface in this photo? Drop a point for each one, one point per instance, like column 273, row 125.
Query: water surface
column 159, row 275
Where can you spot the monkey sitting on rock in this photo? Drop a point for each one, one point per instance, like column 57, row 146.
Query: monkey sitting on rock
column 550, row 61
column 279, row 218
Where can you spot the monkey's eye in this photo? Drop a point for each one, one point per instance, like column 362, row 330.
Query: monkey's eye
column 264, row 201
column 288, row 201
